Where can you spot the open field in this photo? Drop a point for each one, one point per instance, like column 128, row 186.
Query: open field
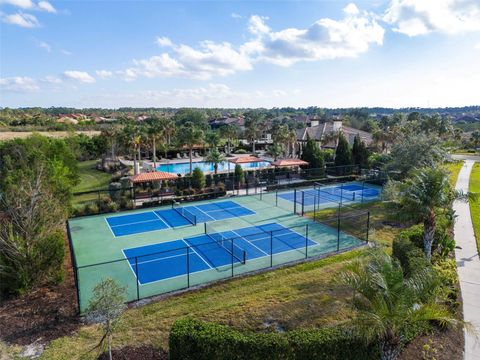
column 9, row 135
column 475, row 205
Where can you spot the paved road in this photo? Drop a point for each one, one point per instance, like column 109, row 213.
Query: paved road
column 468, row 264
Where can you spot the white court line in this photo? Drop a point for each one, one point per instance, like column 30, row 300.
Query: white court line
column 134, row 223
column 161, row 219
column 250, row 242
column 191, row 247
column 203, row 212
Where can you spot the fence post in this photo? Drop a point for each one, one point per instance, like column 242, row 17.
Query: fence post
column 295, row 201
column 231, row 250
column 363, row 189
column 276, row 197
column 338, row 230
column 303, row 202
column 368, row 226
column 138, row 277
column 271, row 248
column 306, row 242
column 188, row 267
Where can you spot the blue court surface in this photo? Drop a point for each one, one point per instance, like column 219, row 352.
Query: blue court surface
column 176, row 217
column 347, row 193
column 210, row 251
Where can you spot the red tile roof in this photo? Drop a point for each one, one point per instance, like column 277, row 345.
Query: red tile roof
column 245, row 159
column 152, row 176
column 289, row 162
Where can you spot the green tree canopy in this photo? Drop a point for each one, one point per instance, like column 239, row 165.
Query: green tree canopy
column 360, row 152
column 198, row 179
column 343, row 154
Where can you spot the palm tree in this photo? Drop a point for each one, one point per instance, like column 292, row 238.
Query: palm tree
column 253, row 127
column 291, row 140
column 274, row 151
column 132, row 137
column 168, row 130
column 384, row 301
column 212, row 139
column 154, row 130
column 111, row 132
column 190, row 136
column 230, row 132
column 280, row 137
column 215, row 157
column 419, row 198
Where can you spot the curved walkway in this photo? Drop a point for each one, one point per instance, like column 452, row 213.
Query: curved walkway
column 468, row 263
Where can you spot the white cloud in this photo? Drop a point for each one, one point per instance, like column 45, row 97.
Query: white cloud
column 24, row 4
column 19, row 84
column 325, row 39
column 66, row 52
column 44, row 45
column 163, row 41
column 420, row 17
column 477, row 46
column 80, row 76
column 236, row 16
column 46, row 6
column 52, row 80
column 104, row 74
column 20, row 19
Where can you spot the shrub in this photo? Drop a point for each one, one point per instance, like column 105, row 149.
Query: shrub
column 198, row 179
column 411, row 257
column 196, row 340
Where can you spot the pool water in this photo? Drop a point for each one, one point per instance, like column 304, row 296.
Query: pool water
column 184, row 168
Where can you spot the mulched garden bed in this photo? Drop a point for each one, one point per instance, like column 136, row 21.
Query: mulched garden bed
column 43, row 314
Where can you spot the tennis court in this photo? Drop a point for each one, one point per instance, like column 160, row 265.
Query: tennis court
column 169, row 248
column 178, row 216
column 321, row 194
column 212, row 250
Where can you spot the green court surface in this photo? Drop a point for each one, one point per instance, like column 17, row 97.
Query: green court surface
column 99, row 254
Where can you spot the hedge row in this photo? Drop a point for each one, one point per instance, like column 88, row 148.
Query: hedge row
column 197, row 340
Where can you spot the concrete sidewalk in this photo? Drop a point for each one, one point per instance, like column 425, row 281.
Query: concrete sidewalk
column 468, row 264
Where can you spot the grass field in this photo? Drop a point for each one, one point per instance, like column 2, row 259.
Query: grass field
column 9, row 135
column 90, row 179
column 475, row 205
column 454, row 169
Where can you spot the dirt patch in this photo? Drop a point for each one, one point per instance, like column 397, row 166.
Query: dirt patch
column 43, row 314
column 440, row 345
column 144, row 352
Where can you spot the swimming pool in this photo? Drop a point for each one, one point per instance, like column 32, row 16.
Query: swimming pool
column 184, row 168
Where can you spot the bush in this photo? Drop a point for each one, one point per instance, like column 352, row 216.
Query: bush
column 410, row 256
column 196, row 340
column 198, row 179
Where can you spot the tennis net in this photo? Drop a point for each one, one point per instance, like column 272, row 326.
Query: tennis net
column 228, row 244
column 185, row 213
column 335, row 194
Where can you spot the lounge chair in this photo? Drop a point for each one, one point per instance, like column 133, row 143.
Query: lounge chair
column 179, row 156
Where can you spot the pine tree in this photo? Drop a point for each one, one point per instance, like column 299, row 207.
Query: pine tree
column 343, row 155
column 359, row 152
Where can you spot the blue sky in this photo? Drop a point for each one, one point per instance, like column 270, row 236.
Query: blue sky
column 239, row 53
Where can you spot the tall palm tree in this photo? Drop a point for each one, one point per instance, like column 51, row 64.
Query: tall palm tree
column 190, row 136
column 253, row 127
column 154, row 130
column 212, row 139
column 421, row 196
column 291, row 141
column 132, row 137
column 111, row 132
column 214, row 157
column 384, row 301
column 280, row 137
column 168, row 130
column 229, row 132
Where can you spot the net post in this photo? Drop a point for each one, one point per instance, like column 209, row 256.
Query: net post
column 261, row 192
column 271, row 248
column 188, row 267
column 295, row 201
column 338, row 229
column 306, row 241
column 368, row 226
column 137, row 277
column 194, row 220
column 205, row 227
column 303, row 202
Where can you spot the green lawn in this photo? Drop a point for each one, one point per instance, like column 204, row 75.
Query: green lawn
column 475, row 205
column 454, row 169
column 90, row 179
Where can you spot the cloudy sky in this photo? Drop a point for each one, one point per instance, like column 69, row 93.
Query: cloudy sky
column 327, row 53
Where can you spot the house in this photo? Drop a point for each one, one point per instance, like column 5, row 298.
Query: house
column 322, row 133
